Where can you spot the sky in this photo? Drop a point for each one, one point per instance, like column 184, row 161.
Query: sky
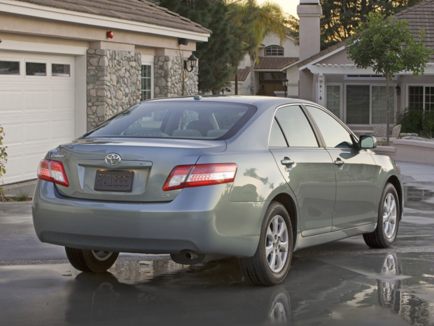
column 289, row 6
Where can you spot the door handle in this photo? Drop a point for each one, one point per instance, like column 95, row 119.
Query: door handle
column 339, row 162
column 287, row 161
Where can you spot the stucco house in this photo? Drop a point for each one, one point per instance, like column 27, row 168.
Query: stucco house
column 66, row 66
column 276, row 66
column 356, row 95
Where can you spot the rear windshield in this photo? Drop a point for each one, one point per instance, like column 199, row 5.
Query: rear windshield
column 193, row 120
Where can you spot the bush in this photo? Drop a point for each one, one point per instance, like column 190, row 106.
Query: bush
column 415, row 121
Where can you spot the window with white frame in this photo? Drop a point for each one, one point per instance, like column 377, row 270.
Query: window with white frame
column 333, row 99
column 146, row 82
column 366, row 104
column 378, row 103
column 274, row 50
column 421, row 98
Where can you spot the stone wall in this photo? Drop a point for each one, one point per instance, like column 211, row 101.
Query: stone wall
column 113, row 83
column 171, row 79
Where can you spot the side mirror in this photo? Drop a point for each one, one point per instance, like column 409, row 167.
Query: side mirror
column 367, row 142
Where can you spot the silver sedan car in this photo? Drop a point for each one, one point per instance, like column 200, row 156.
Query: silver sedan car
column 251, row 177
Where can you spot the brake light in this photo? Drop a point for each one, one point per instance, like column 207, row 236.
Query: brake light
column 185, row 176
column 53, row 171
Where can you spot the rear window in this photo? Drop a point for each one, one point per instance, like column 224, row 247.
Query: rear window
column 181, row 120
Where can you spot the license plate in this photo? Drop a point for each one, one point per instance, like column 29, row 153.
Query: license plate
column 114, row 180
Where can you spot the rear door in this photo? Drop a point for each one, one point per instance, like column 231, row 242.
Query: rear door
column 356, row 173
column 306, row 167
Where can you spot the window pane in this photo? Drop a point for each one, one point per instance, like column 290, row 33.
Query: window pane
column 415, row 98
column 146, row 82
column 9, row 68
column 429, row 99
column 276, row 136
column 379, row 103
column 60, row 70
column 334, row 99
column 358, row 104
column 177, row 119
column 274, row 50
column 36, row 69
column 296, row 128
column 335, row 136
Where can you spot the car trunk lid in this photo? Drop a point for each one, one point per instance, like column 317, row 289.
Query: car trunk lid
column 148, row 162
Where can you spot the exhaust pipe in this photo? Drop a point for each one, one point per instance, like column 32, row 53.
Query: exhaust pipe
column 187, row 257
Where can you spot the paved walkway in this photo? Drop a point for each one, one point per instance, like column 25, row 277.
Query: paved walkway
column 413, row 172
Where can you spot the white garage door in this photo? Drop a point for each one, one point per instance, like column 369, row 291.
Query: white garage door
column 36, row 108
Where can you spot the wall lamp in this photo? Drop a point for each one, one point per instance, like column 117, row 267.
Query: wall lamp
column 190, row 63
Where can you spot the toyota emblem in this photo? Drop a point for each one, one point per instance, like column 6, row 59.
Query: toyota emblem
column 113, row 159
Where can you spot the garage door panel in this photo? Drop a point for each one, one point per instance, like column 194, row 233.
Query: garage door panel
column 13, row 133
column 62, row 98
column 11, row 117
column 36, row 100
column 14, row 168
column 60, row 130
column 38, row 113
column 38, row 131
column 62, row 115
column 11, row 100
column 32, row 165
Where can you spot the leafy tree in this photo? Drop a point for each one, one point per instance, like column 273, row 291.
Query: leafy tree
column 254, row 22
column 341, row 18
column 386, row 45
column 217, row 56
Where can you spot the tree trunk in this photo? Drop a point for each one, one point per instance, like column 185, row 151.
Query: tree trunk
column 236, row 82
column 387, row 110
column 252, row 75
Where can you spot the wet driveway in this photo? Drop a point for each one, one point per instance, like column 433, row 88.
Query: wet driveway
column 343, row 283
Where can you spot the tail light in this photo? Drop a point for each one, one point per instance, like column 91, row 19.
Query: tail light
column 53, row 171
column 185, row 176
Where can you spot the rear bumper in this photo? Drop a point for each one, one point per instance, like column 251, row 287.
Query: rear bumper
column 199, row 219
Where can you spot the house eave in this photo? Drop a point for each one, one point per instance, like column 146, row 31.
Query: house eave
column 325, row 56
column 44, row 12
column 351, row 69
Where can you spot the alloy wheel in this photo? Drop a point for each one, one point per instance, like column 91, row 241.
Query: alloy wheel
column 276, row 244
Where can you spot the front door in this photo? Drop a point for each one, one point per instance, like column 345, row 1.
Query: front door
column 356, row 173
column 307, row 169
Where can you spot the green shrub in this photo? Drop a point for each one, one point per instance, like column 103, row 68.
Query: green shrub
column 411, row 121
column 415, row 121
column 428, row 125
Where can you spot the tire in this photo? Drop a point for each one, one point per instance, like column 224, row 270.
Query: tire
column 258, row 269
column 383, row 236
column 94, row 261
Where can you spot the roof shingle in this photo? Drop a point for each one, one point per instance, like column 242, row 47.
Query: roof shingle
column 274, row 63
column 242, row 73
column 134, row 10
column 420, row 18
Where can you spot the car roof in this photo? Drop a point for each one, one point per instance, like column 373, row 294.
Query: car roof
column 261, row 102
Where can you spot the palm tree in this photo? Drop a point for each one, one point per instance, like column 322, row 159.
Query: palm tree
column 255, row 22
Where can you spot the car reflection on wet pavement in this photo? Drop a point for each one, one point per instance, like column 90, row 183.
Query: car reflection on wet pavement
column 342, row 283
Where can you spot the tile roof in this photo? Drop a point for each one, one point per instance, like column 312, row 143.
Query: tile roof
column 274, row 63
column 322, row 53
column 243, row 73
column 420, row 18
column 134, row 10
